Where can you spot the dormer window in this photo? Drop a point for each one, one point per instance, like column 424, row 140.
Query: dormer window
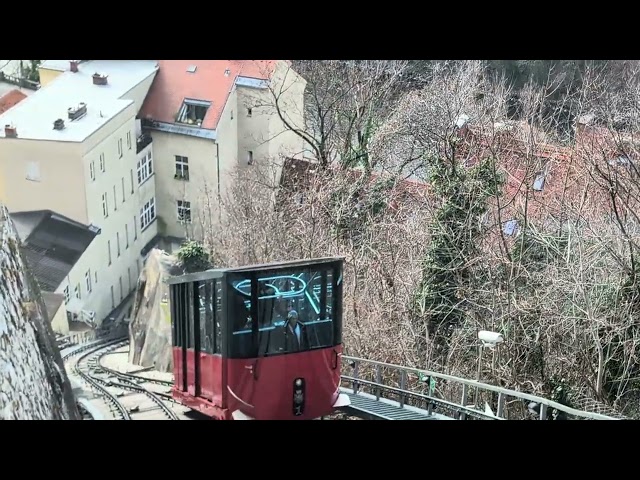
column 538, row 184
column 510, row 228
column 193, row 112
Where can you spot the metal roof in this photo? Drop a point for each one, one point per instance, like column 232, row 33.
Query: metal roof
column 52, row 243
column 219, row 272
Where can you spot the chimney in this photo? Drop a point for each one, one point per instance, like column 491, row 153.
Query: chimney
column 10, row 132
column 73, row 65
column 58, row 124
column 99, row 79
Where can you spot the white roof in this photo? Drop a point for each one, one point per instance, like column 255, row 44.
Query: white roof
column 34, row 116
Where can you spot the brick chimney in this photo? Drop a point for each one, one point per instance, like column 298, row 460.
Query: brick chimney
column 73, row 65
column 99, row 79
column 10, row 132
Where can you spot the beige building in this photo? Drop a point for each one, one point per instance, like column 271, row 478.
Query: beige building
column 208, row 117
column 74, row 148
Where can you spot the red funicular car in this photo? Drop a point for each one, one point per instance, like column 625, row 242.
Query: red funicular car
column 259, row 342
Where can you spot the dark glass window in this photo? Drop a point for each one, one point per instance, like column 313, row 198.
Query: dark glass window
column 294, row 311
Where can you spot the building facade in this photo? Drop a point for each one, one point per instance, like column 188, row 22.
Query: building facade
column 75, row 148
column 209, row 119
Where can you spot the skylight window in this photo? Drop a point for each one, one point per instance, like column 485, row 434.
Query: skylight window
column 193, row 112
column 538, row 184
column 510, row 228
column 192, row 68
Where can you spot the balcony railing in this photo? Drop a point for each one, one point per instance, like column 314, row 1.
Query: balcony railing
column 142, row 142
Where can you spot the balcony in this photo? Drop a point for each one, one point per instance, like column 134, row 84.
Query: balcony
column 142, row 142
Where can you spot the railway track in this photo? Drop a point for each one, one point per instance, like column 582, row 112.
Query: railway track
column 124, row 396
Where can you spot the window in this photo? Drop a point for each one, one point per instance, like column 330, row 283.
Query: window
column 135, row 229
column 87, row 279
column 309, row 295
column 77, row 291
column 182, row 168
column 122, row 189
column 105, row 205
column 126, row 234
column 129, row 277
column 249, row 112
column 118, row 242
column 102, row 165
column 147, row 213
column 184, row 211
column 115, row 199
column 138, row 266
column 113, row 300
column 95, row 275
column 109, row 250
column 66, row 295
column 120, row 147
column 250, row 157
column 121, row 292
column 145, row 168
column 131, row 173
column 193, row 112
column 231, row 114
column 129, row 140
column 33, row 171
column 92, row 170
column 510, row 227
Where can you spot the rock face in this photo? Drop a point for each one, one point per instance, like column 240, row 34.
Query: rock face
column 33, row 381
column 150, row 328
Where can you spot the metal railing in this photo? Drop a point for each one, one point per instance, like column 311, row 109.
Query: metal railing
column 143, row 141
column 447, row 393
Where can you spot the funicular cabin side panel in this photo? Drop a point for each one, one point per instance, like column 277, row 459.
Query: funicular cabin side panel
column 196, row 308
column 210, row 340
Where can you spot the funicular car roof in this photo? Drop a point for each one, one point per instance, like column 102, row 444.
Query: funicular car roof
column 220, row 272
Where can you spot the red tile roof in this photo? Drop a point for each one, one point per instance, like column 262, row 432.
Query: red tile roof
column 11, row 99
column 173, row 84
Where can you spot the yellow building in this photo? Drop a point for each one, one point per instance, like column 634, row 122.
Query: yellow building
column 74, row 148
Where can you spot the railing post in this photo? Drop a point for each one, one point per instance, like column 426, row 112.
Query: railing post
column 500, row 410
column 378, row 381
column 465, row 393
column 355, row 376
column 543, row 411
column 403, row 386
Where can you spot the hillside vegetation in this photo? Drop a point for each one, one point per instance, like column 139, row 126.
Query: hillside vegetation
column 427, row 181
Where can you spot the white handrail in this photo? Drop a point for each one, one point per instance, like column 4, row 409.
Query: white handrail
column 485, row 386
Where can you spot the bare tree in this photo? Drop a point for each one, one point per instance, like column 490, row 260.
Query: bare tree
column 346, row 100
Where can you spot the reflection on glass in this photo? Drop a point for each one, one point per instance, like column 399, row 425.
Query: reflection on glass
column 294, row 313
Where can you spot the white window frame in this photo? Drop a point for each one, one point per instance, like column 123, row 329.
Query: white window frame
column 183, row 206
column 145, row 168
column 182, row 168
column 120, row 152
column 129, row 140
column 102, row 163
column 147, row 213
column 105, row 205
column 67, row 295
column 87, row 280
column 92, row 170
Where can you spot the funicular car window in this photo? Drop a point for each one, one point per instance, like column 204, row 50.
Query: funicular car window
column 294, row 312
column 205, row 297
column 190, row 314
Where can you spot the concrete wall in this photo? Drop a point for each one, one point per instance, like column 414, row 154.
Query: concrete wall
column 59, row 322
column 201, row 186
column 56, row 169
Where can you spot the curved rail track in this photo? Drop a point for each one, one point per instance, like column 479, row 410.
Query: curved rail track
column 112, row 386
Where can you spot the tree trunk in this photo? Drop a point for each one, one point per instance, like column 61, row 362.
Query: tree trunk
column 33, row 381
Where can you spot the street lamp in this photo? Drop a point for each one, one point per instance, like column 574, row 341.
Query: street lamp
column 487, row 340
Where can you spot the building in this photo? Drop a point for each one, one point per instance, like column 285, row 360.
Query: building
column 54, row 247
column 75, row 148
column 209, row 117
column 11, row 99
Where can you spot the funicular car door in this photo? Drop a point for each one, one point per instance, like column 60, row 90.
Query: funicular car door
column 192, row 359
column 209, row 358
